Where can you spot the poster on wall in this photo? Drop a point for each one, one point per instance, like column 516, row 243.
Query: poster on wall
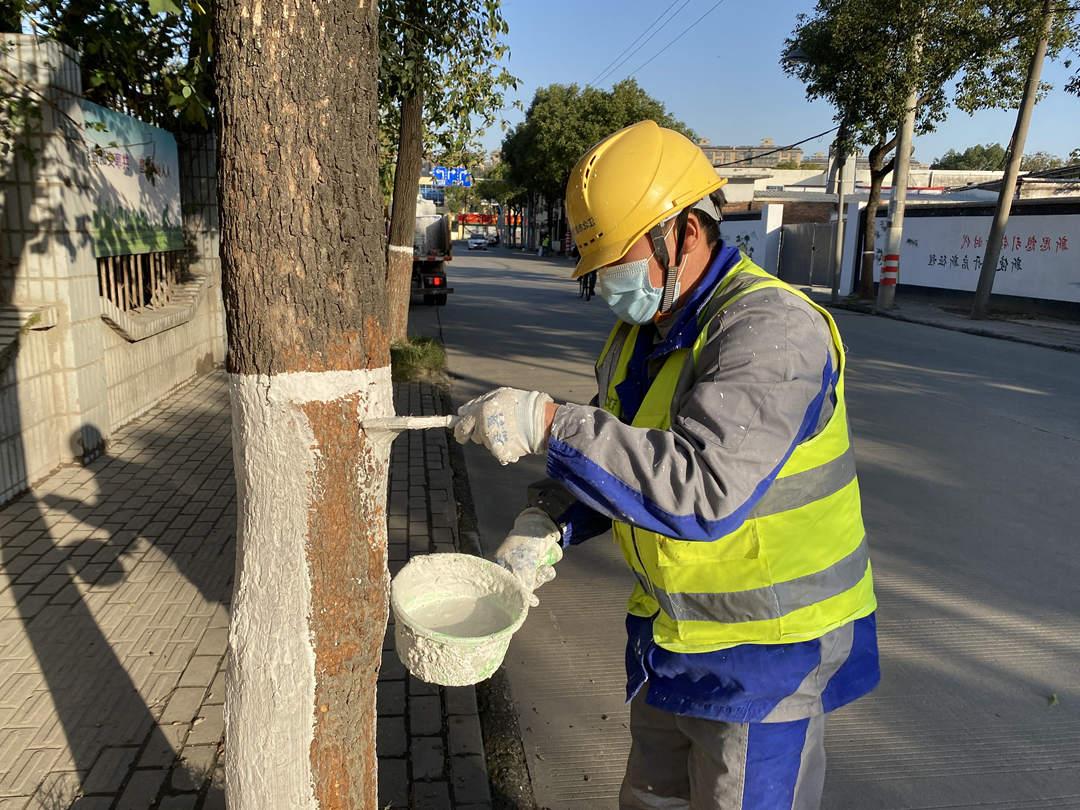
column 746, row 234
column 1040, row 254
column 135, row 175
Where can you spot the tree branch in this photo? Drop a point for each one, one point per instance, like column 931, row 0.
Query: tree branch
column 19, row 83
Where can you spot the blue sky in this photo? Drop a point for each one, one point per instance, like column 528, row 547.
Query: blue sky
column 723, row 77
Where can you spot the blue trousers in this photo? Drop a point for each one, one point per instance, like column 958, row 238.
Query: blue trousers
column 686, row 763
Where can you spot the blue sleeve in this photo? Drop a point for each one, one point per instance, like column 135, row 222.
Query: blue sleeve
column 580, row 523
column 577, row 521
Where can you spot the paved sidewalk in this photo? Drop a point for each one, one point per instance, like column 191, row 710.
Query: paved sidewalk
column 429, row 737
column 116, row 581
column 114, row 593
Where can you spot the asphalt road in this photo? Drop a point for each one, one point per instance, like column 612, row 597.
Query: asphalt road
column 969, row 457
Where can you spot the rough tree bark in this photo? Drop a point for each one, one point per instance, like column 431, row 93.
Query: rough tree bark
column 304, row 272
column 878, row 169
column 403, row 213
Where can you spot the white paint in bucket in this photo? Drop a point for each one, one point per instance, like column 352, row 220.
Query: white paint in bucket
column 454, row 616
column 464, row 618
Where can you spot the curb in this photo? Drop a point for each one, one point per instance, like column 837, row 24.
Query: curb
column 504, row 752
column 969, row 330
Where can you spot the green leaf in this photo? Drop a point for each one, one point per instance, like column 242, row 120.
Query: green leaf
column 164, row 7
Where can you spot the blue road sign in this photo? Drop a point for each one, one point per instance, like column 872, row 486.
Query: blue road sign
column 458, row 176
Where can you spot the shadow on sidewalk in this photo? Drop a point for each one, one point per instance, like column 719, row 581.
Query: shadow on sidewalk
column 95, row 678
column 100, row 714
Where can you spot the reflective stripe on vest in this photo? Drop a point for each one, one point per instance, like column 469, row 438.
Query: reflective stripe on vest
column 771, row 602
column 798, row 566
column 808, row 486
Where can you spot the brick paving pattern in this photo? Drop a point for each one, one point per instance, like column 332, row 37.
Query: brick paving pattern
column 115, row 580
column 429, row 737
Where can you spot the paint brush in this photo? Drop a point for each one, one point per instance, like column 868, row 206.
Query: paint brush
column 393, row 425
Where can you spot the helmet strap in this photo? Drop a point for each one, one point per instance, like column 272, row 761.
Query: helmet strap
column 672, row 269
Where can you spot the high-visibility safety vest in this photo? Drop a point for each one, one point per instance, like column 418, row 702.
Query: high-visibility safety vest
column 797, row 567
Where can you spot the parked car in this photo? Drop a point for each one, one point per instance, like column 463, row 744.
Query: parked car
column 493, row 239
column 478, row 242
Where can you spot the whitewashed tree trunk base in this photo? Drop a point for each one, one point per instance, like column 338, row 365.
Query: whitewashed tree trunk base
column 271, row 711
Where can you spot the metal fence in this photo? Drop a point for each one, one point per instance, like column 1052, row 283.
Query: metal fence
column 806, row 254
column 143, row 281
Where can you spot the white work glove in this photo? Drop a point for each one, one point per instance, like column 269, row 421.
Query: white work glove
column 507, row 421
column 531, row 550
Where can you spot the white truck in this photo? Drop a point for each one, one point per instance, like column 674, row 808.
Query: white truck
column 431, row 251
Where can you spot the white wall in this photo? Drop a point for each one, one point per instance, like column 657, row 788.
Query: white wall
column 758, row 238
column 69, row 380
column 945, row 251
column 1042, row 259
column 52, row 397
column 762, row 179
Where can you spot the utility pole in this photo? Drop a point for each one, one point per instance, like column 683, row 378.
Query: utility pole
column 890, row 268
column 1012, row 170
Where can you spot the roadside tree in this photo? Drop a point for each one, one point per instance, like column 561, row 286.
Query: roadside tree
column 561, row 123
column 441, row 84
column 980, row 157
column 500, row 189
column 1041, row 162
column 150, row 59
column 304, row 286
column 977, row 52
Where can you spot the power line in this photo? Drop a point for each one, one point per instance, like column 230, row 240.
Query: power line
column 612, row 64
column 778, row 149
column 627, row 52
column 678, row 36
column 646, row 41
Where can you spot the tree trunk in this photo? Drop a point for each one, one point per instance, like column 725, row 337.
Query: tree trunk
column 866, row 268
column 304, row 285
column 981, row 306
column 878, row 170
column 403, row 213
column 534, row 226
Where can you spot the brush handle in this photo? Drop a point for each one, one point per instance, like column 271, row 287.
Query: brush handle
column 398, row 424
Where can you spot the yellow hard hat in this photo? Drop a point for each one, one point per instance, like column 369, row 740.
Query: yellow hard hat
column 628, row 183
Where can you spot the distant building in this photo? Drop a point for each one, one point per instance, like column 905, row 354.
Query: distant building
column 764, row 154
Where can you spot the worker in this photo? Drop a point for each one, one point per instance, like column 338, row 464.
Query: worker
column 718, row 453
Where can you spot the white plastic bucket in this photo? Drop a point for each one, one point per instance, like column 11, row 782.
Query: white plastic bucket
column 454, row 615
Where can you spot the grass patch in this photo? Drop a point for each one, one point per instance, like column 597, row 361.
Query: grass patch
column 420, row 359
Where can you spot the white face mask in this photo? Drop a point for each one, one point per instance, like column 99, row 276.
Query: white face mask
column 628, row 291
